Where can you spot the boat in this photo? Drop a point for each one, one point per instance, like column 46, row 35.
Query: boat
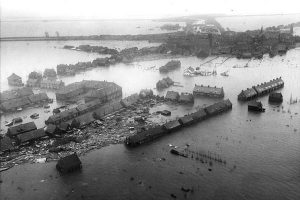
column 19, row 109
column 34, row 116
column 9, row 123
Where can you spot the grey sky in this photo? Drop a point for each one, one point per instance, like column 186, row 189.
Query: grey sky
column 116, row 9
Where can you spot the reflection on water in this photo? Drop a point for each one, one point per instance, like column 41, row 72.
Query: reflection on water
column 262, row 150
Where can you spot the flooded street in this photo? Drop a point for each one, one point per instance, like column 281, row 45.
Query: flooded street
column 262, row 151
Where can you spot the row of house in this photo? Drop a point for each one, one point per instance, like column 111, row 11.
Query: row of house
column 260, row 90
column 28, row 132
column 174, row 125
column 14, row 94
column 34, row 99
column 90, row 90
column 184, row 97
column 45, row 83
column 21, row 98
column 201, row 90
column 91, row 110
column 25, row 133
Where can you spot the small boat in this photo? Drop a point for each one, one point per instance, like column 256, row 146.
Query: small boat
column 9, row 123
column 34, row 116
column 19, row 109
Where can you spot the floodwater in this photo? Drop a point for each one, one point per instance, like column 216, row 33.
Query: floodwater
column 248, row 22
column 37, row 28
column 262, row 151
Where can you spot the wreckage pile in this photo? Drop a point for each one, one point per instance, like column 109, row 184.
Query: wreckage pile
column 64, row 139
column 172, row 126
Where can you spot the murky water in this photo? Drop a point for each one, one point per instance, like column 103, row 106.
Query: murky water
column 243, row 23
column 80, row 27
column 262, row 150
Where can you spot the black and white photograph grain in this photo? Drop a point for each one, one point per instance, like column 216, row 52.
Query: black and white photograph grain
column 149, row 100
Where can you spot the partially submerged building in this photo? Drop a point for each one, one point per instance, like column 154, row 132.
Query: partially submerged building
column 169, row 66
column 200, row 90
column 172, row 96
column 15, row 80
column 186, row 98
column 172, row 125
column 31, row 136
column 62, row 117
column 145, row 136
column 14, row 104
column 51, row 84
column 275, row 97
column 186, row 120
column 21, row 98
column 255, row 106
column 19, row 129
column 91, row 90
column 50, row 73
column 199, row 115
column 218, row 107
column 38, row 98
column 260, row 90
column 68, row 164
column 164, row 83
column 248, row 94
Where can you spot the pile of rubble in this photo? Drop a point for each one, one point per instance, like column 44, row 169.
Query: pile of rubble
column 111, row 129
